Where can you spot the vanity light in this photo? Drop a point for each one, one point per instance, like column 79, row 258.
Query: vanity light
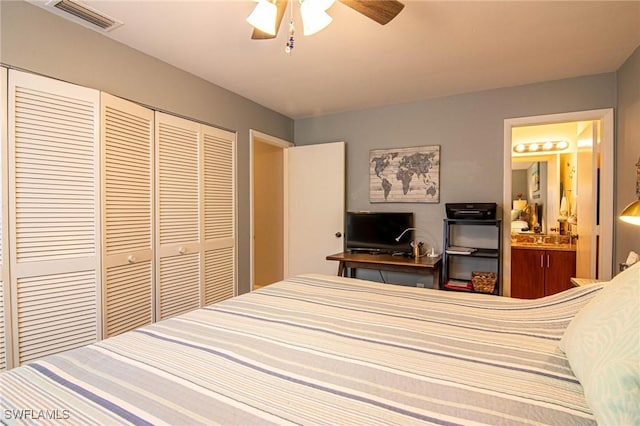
column 585, row 143
column 549, row 146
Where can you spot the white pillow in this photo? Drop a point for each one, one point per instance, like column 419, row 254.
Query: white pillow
column 602, row 344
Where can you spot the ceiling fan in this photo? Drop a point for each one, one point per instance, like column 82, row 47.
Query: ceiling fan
column 381, row 11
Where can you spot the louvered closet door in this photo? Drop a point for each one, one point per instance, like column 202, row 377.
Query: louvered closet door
column 5, row 358
column 219, row 215
column 177, row 215
column 127, row 164
column 53, row 205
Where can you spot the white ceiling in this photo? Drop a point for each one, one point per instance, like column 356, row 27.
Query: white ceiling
column 431, row 49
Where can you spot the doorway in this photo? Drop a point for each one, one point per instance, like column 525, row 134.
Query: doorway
column 267, row 208
column 596, row 162
column 297, row 207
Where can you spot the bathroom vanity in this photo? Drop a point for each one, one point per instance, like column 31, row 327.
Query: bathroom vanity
column 541, row 266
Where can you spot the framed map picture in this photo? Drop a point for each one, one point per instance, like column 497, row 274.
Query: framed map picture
column 405, row 175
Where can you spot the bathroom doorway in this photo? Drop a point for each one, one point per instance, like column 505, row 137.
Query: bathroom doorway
column 589, row 136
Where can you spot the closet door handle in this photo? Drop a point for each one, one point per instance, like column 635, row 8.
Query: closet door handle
column 182, row 250
column 131, row 259
column 547, row 261
column 541, row 261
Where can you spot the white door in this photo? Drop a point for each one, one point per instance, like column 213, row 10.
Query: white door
column 53, row 204
column 604, row 191
column 178, row 220
column 195, row 215
column 218, row 224
column 127, row 166
column 315, row 215
column 587, row 243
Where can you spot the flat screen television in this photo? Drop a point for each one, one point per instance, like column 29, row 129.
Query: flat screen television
column 376, row 232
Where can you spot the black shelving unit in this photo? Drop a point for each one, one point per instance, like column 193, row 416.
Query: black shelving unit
column 491, row 256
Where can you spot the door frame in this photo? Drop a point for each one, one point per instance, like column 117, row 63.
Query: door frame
column 256, row 136
column 5, row 283
column 606, row 117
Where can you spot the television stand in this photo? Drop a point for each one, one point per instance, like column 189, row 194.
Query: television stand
column 388, row 262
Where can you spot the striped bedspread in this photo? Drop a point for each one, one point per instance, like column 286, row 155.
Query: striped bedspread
column 320, row 350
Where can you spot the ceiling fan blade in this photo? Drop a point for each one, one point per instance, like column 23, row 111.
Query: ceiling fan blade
column 261, row 35
column 381, row 11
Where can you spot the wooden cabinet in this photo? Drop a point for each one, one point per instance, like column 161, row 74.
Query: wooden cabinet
column 527, row 273
column 561, row 266
column 538, row 272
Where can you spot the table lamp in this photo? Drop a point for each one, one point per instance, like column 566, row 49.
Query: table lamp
column 416, row 245
column 631, row 213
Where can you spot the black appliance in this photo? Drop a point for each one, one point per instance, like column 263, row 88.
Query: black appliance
column 477, row 211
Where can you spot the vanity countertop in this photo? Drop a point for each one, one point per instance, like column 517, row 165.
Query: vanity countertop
column 543, row 246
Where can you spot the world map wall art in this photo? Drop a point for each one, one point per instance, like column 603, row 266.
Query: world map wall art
column 405, row 175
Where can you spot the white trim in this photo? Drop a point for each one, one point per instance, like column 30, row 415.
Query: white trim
column 4, row 238
column 606, row 182
column 275, row 141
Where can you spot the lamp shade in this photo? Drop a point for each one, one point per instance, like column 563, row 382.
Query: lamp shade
column 631, row 213
column 263, row 17
column 314, row 15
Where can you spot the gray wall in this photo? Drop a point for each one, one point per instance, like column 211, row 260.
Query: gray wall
column 469, row 128
column 40, row 42
column 628, row 152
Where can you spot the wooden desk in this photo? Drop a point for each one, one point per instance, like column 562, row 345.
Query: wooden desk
column 387, row 262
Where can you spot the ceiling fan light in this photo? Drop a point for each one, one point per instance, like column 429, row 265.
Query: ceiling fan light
column 314, row 17
column 263, row 17
column 322, row 5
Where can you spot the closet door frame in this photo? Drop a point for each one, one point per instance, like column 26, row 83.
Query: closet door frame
column 6, row 355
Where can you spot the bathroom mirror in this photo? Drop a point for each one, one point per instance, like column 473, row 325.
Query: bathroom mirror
column 538, row 179
column 529, row 183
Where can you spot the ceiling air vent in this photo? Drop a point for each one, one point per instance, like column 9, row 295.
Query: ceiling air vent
column 86, row 14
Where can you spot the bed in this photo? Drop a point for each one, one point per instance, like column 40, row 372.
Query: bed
column 318, row 349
